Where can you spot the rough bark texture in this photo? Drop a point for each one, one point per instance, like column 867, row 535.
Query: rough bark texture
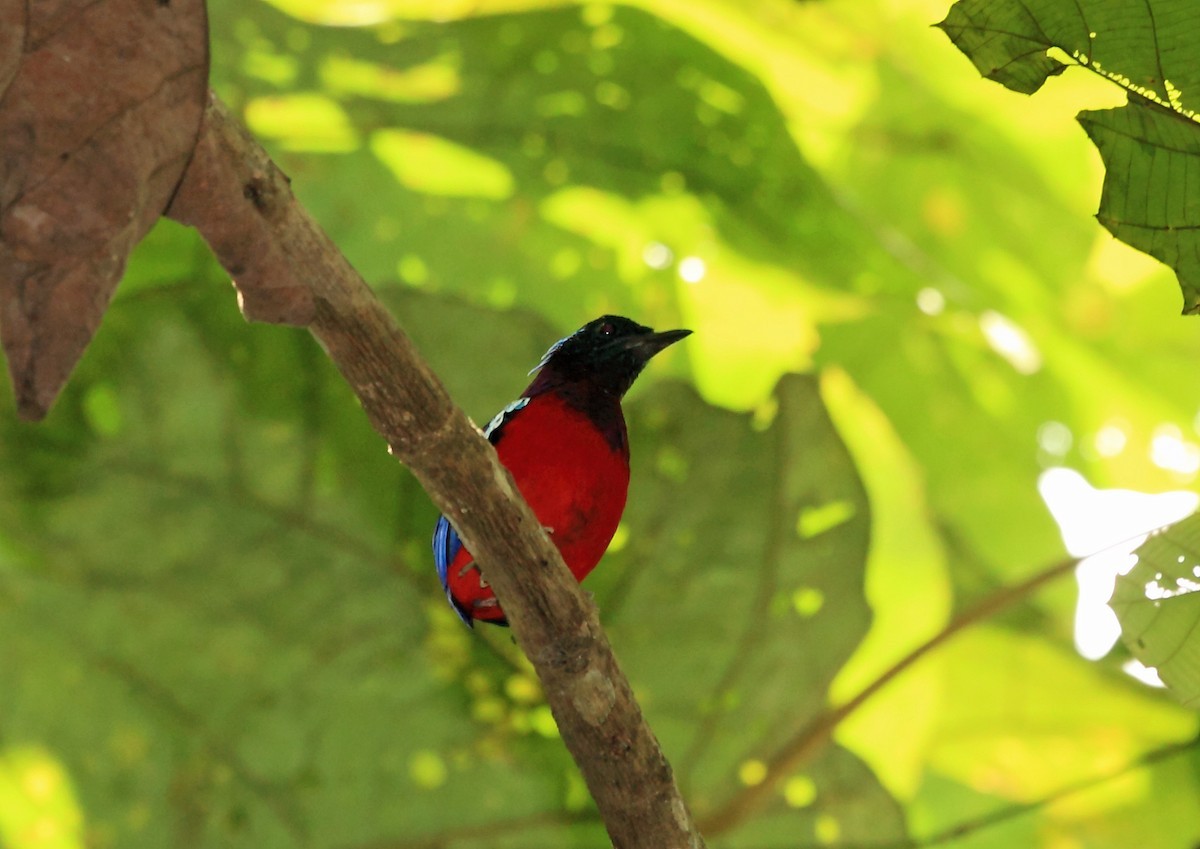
column 287, row 271
column 99, row 108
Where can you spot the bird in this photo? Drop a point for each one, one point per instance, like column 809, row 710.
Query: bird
column 565, row 443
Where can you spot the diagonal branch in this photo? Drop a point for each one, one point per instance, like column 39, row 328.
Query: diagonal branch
column 288, row 271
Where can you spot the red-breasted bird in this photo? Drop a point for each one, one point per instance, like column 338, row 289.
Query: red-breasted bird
column 564, row 441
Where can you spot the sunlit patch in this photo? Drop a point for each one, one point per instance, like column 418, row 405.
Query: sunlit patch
column 799, row 791
column 1055, row 438
column 620, row 538
column 412, row 270
column 931, row 301
column 1010, row 341
column 943, row 211
column 576, row 797
column 523, row 689
column 1097, row 628
column 1110, row 440
column 429, row 82
column 672, row 183
column 38, row 807
column 489, row 710
column 304, row 122
column 612, row 95
column 436, row 166
column 657, row 255
column 502, row 292
column 1119, row 267
column 720, row 96
column 1156, row 590
column 1170, row 451
column 447, row 643
column 807, row 601
column 764, row 413
column 102, row 409
column 541, row 722
column 518, row 721
column 760, row 322
column 813, row 521
column 596, row 14
column 1108, row 525
column 274, row 68
column 1146, row 674
column 827, row 829
column 427, row 769
column 350, row 13
column 560, row 104
column 692, row 269
column 478, row 682
column 752, row 772
column 607, row 37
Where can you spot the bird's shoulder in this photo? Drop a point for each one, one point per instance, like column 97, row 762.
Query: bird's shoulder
column 495, row 428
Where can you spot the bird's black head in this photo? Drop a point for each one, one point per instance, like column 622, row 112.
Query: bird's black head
column 608, row 353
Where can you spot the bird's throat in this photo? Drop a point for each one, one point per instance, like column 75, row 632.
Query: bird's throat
column 602, row 408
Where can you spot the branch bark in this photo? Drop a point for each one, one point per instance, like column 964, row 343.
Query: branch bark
column 288, row 271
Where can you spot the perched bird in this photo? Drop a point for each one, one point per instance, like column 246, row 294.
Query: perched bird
column 564, row 441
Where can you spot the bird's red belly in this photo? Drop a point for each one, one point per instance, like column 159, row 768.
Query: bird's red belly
column 574, row 480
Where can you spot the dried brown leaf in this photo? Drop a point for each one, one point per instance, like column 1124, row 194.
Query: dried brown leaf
column 97, row 123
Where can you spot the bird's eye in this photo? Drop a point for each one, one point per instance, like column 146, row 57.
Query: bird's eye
column 606, row 329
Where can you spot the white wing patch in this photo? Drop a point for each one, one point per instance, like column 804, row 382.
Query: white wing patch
column 501, row 417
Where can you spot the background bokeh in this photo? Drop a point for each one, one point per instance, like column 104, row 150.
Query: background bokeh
column 219, row 625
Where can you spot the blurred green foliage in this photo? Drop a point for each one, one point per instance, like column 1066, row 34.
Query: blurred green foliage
column 219, row 625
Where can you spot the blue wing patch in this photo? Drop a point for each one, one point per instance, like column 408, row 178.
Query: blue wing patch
column 496, row 425
column 446, row 546
column 446, row 543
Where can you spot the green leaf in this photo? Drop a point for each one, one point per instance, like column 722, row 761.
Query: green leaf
column 1158, row 604
column 748, row 582
column 1151, row 147
column 1151, row 196
column 1004, row 41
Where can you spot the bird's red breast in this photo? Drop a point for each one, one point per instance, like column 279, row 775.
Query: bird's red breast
column 574, row 476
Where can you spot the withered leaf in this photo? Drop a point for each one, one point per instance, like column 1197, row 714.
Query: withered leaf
column 100, row 104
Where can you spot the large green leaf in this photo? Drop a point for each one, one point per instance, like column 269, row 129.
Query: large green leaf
column 1150, row 147
column 239, row 602
column 784, row 552
column 1158, row 603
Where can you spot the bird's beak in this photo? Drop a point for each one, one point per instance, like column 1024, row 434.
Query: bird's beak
column 652, row 343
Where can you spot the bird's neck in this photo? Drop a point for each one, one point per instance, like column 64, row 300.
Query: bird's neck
column 600, row 406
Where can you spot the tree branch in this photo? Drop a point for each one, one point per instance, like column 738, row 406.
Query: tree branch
column 288, row 271
column 816, row 733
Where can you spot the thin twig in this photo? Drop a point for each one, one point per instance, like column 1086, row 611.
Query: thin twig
column 809, row 739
